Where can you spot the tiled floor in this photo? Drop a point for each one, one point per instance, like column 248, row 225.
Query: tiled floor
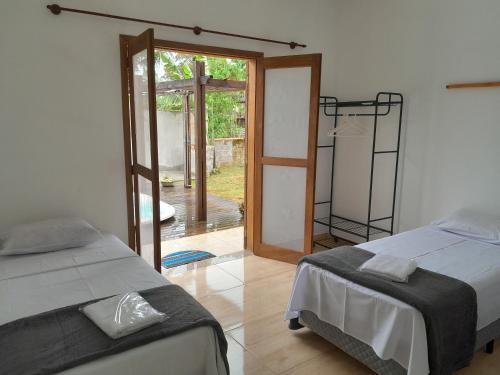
column 248, row 295
column 218, row 243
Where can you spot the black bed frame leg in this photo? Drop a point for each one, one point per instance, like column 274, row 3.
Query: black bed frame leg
column 490, row 347
column 294, row 324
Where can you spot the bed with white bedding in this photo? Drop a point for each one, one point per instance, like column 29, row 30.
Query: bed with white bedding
column 36, row 283
column 394, row 330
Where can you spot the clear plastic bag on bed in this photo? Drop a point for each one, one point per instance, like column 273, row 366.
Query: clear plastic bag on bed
column 123, row 314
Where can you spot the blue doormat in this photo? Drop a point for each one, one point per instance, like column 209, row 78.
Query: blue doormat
column 184, row 257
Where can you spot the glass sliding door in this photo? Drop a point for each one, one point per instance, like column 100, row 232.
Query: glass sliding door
column 286, row 156
column 144, row 141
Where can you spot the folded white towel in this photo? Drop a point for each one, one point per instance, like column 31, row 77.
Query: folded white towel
column 123, row 314
column 389, row 267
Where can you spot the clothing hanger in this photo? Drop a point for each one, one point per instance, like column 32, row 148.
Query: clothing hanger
column 349, row 126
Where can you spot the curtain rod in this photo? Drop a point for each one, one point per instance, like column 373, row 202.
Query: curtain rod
column 56, row 9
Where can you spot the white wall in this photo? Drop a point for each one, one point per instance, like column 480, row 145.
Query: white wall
column 61, row 145
column 170, row 140
column 451, row 155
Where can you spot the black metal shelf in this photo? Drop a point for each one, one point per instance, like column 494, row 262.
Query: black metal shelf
column 369, row 103
column 384, row 101
column 387, row 101
column 351, row 226
column 330, row 242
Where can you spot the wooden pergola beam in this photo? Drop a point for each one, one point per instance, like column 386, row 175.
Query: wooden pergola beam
column 225, row 85
column 211, row 84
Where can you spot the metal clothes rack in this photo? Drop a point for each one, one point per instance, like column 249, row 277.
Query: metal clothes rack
column 383, row 105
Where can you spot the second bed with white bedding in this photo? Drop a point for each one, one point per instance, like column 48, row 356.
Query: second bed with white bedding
column 396, row 330
column 32, row 284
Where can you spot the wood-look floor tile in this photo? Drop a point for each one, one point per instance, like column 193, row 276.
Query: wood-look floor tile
column 289, row 349
column 250, row 301
column 201, row 282
column 253, row 268
column 242, row 362
column 333, row 362
column 261, row 329
column 229, row 234
column 484, row 364
column 234, row 307
column 217, row 243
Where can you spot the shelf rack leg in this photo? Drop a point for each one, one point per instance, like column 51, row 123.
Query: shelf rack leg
column 397, row 163
column 375, row 123
column 331, row 176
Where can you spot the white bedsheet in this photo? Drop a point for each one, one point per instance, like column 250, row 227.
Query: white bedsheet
column 37, row 293
column 108, row 248
column 474, row 262
column 396, row 330
column 32, row 284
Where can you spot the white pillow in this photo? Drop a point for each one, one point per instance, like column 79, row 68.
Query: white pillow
column 472, row 224
column 47, row 235
column 123, row 315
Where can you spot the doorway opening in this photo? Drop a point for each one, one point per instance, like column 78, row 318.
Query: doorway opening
column 281, row 105
column 201, row 121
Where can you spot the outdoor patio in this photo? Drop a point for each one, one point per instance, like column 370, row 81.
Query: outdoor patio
column 222, row 213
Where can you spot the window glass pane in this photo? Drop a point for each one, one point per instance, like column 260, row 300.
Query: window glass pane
column 283, row 206
column 141, row 105
column 286, row 112
column 146, row 219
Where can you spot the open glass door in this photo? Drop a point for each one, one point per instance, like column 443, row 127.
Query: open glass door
column 144, row 150
column 200, row 140
column 286, row 156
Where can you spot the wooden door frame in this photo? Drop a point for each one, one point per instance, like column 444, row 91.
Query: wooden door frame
column 255, row 60
column 128, row 48
column 201, row 141
column 293, row 61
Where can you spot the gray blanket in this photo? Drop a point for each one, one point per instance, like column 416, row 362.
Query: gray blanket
column 64, row 338
column 448, row 305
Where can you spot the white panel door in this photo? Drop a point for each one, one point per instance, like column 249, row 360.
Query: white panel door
column 286, row 156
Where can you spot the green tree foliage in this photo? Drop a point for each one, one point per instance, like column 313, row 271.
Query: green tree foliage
column 223, row 108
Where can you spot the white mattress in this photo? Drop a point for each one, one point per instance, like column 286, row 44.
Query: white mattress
column 32, row 284
column 396, row 330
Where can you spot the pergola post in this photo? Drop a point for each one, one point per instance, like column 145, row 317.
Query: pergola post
column 187, row 141
column 201, row 141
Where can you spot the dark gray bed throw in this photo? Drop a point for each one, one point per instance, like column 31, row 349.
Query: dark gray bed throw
column 64, row 338
column 448, row 305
